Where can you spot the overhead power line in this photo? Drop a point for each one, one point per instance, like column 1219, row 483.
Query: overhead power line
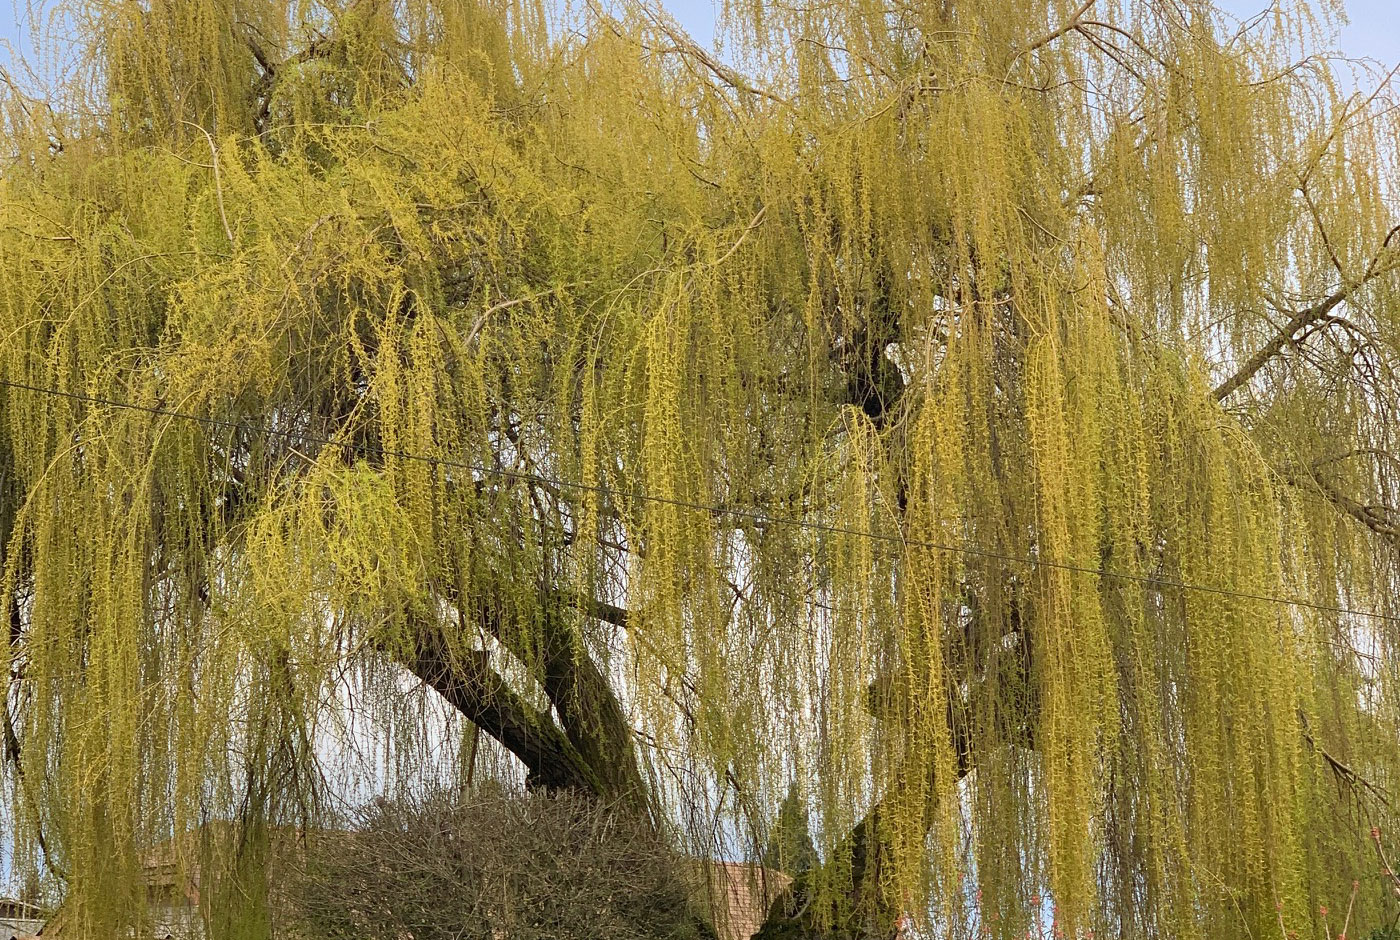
column 752, row 515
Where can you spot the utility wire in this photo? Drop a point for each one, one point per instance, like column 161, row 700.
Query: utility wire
column 715, row 510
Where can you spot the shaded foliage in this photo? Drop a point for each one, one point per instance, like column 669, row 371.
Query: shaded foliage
column 790, row 848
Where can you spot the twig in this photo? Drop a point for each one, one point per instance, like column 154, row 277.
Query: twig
column 1321, row 227
column 753, row 224
column 218, row 185
column 1385, row 862
column 507, row 304
column 1350, row 904
column 1343, row 772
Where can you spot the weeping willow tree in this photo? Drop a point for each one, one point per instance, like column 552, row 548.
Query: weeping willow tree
column 980, row 412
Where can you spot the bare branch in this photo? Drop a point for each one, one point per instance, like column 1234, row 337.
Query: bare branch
column 687, row 47
column 1069, row 26
column 1383, row 521
column 1300, row 321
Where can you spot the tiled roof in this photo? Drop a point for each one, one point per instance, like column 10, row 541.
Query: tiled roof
column 740, row 895
column 19, row 928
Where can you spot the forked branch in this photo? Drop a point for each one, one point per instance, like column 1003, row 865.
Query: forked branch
column 1302, row 320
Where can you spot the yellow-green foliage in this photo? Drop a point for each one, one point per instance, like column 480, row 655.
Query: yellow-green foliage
column 950, row 284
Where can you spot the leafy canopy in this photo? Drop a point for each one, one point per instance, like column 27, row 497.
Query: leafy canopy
column 853, row 408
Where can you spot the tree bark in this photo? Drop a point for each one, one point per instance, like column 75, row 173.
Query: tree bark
column 467, row 682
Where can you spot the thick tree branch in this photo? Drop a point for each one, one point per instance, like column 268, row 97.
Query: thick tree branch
column 589, row 710
column 1070, row 25
column 466, row 681
column 13, row 749
column 590, row 747
column 1380, row 520
column 591, row 607
column 1301, row 320
column 690, row 50
column 1285, row 336
column 272, row 71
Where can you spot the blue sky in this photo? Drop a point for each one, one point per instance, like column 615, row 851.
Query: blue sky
column 1374, row 29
